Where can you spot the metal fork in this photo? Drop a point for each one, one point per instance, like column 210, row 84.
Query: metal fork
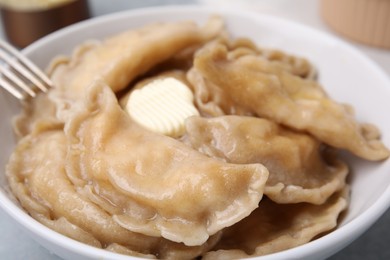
column 19, row 76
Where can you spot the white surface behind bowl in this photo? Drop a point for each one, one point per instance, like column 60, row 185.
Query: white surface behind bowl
column 347, row 75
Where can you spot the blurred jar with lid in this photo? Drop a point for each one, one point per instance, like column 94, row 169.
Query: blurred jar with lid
column 25, row 21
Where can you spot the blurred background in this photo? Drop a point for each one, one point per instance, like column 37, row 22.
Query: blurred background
column 324, row 15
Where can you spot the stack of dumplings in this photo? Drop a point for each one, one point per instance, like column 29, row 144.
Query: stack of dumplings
column 256, row 172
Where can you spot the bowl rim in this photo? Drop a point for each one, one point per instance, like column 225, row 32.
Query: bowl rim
column 341, row 236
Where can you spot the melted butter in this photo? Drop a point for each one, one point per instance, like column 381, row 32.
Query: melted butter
column 162, row 106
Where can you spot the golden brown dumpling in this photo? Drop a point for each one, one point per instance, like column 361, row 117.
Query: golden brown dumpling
column 121, row 58
column 295, row 65
column 299, row 169
column 44, row 189
column 158, row 185
column 211, row 100
column 256, row 85
column 275, row 227
column 39, row 109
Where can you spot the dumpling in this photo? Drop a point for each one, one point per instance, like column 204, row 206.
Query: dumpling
column 156, row 185
column 47, row 193
column 295, row 65
column 276, row 227
column 300, row 168
column 268, row 90
column 39, row 109
column 121, row 58
column 211, row 100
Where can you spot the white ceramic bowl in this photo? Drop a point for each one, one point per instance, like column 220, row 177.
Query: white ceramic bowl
column 347, row 75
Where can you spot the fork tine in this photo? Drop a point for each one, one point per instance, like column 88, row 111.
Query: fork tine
column 26, row 62
column 16, row 80
column 11, row 89
column 18, row 71
column 22, row 70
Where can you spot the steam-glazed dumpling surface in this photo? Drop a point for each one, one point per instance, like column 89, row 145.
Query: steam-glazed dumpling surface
column 268, row 90
column 122, row 57
column 276, row 227
column 54, row 199
column 300, row 171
